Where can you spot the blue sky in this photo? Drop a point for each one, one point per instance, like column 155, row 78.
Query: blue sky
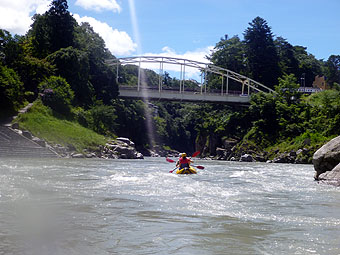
column 190, row 28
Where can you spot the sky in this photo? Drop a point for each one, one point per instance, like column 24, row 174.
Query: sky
column 189, row 28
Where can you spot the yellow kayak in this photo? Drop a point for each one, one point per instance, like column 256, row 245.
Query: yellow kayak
column 186, row 170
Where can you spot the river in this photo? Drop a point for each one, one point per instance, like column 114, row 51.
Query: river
column 68, row 206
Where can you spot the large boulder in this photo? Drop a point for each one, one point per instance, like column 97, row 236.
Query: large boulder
column 331, row 175
column 327, row 157
column 121, row 148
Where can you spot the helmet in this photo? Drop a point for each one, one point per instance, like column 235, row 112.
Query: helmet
column 184, row 155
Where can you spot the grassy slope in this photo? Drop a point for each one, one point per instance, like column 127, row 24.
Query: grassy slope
column 41, row 122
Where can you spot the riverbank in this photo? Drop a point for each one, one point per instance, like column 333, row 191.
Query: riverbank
column 70, row 139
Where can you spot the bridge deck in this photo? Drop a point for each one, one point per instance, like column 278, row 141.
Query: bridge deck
column 188, row 96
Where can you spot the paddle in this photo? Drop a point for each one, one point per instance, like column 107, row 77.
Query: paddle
column 173, row 169
column 195, row 154
column 199, row 167
column 170, row 160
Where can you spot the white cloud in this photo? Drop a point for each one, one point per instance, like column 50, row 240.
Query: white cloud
column 118, row 42
column 198, row 55
column 99, row 5
column 16, row 15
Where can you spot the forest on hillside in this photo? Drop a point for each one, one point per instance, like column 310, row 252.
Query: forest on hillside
column 63, row 64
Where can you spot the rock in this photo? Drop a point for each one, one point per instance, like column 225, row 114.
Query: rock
column 77, row 155
column 140, row 155
column 327, row 157
column 285, row 157
column 126, row 140
column 246, row 158
column 280, row 159
column 154, row 154
column 123, row 156
column 27, row 134
column 229, row 143
column 307, row 141
column 331, row 175
column 60, row 149
column 299, row 151
column 222, row 154
column 260, row 158
column 90, row 155
column 121, row 149
column 292, row 154
column 15, row 125
column 39, row 141
column 71, row 147
column 232, row 159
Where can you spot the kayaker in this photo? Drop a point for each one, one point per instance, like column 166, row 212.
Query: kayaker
column 183, row 161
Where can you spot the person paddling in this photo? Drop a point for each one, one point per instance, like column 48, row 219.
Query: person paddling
column 183, row 161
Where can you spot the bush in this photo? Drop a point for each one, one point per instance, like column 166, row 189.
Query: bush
column 56, row 93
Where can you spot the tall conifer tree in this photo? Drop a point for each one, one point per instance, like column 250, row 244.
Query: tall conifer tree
column 262, row 56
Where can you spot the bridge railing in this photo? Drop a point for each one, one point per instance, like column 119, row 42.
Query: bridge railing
column 188, row 90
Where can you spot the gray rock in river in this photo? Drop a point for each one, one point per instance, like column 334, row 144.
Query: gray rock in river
column 121, row 148
column 327, row 157
column 246, row 158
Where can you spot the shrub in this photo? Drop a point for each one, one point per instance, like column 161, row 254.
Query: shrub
column 56, row 93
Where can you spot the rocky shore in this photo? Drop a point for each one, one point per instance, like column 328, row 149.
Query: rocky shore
column 119, row 148
column 326, row 162
column 233, row 150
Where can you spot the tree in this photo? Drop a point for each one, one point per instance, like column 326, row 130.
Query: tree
column 103, row 119
column 101, row 76
column 11, row 89
column 52, row 30
column 288, row 88
column 73, row 65
column 309, row 66
column 166, row 79
column 333, row 69
column 10, row 49
column 32, row 71
column 287, row 60
column 230, row 54
column 62, row 25
column 261, row 53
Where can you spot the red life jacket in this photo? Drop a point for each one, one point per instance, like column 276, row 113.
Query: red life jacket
column 184, row 162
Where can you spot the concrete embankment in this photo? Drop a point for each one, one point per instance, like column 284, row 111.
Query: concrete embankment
column 16, row 145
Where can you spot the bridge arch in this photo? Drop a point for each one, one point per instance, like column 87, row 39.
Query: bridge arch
column 247, row 85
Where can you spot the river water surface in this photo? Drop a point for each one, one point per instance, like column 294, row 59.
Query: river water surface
column 67, row 206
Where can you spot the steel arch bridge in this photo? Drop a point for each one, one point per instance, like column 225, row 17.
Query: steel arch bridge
column 224, row 95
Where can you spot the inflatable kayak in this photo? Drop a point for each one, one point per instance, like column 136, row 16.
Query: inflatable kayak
column 186, row 170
